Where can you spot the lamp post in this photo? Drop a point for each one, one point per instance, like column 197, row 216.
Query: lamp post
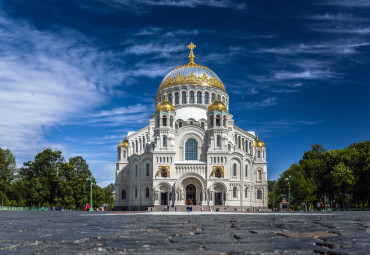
column 287, row 179
column 91, row 179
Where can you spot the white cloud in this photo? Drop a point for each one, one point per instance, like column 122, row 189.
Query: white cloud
column 330, row 48
column 256, row 105
column 136, row 5
column 46, row 80
column 306, row 74
column 346, row 3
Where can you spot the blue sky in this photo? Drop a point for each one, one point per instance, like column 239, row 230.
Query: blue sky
column 77, row 75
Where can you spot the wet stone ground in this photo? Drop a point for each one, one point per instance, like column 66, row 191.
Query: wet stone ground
column 107, row 233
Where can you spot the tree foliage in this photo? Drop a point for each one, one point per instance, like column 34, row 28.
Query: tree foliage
column 49, row 180
column 339, row 178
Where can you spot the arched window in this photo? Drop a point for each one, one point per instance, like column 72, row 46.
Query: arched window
column 191, row 101
column 234, row 192
column 135, row 192
column 164, row 172
column 246, row 170
column 124, row 154
column 164, row 141
column 199, row 97
column 246, row 146
column 177, row 98
column 211, row 121
column 191, row 150
column 223, row 100
column 259, row 194
column 136, row 170
column 259, row 173
column 246, row 193
column 219, row 97
column 202, row 124
column 137, row 146
column 229, row 147
column 143, row 142
column 180, row 124
column 123, row 194
column 206, row 98
column 224, row 121
column 170, row 98
column 239, row 144
column 157, row 122
column 218, row 121
column 218, row 144
column 147, row 192
column 183, row 99
column 213, row 97
column 164, row 120
column 171, row 121
column 218, row 173
column 234, row 169
column 259, row 154
column 191, row 123
column 147, row 170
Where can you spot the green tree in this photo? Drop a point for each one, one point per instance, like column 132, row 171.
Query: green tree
column 7, row 174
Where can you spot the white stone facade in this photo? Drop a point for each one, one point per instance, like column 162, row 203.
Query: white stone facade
column 191, row 155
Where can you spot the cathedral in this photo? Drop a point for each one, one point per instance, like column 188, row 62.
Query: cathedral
column 191, row 152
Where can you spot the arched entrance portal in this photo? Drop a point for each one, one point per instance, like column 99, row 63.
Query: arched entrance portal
column 191, row 193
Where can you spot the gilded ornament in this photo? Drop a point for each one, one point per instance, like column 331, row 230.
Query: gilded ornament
column 221, row 168
column 203, row 80
column 259, row 143
column 217, row 105
column 165, row 105
column 123, row 143
column 167, row 168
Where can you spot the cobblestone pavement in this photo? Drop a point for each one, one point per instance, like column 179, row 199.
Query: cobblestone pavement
column 181, row 233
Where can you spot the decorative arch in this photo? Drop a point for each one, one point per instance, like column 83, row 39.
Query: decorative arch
column 220, row 169
column 163, row 169
column 211, row 188
column 164, row 184
column 178, row 183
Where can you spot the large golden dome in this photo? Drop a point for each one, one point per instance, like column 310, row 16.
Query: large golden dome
column 217, row 105
column 165, row 105
column 192, row 73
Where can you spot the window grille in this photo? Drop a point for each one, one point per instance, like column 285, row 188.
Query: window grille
column 183, row 98
column 177, row 101
column 206, row 98
column 191, row 97
column 191, row 150
column 199, row 97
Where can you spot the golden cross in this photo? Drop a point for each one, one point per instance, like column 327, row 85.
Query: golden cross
column 191, row 46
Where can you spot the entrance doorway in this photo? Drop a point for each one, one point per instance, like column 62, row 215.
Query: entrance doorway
column 164, row 200
column 218, row 198
column 191, row 192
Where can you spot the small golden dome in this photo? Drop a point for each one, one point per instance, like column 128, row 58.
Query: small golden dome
column 259, row 143
column 217, row 105
column 165, row 105
column 123, row 143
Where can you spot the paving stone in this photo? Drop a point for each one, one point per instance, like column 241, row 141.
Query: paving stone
column 24, row 232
